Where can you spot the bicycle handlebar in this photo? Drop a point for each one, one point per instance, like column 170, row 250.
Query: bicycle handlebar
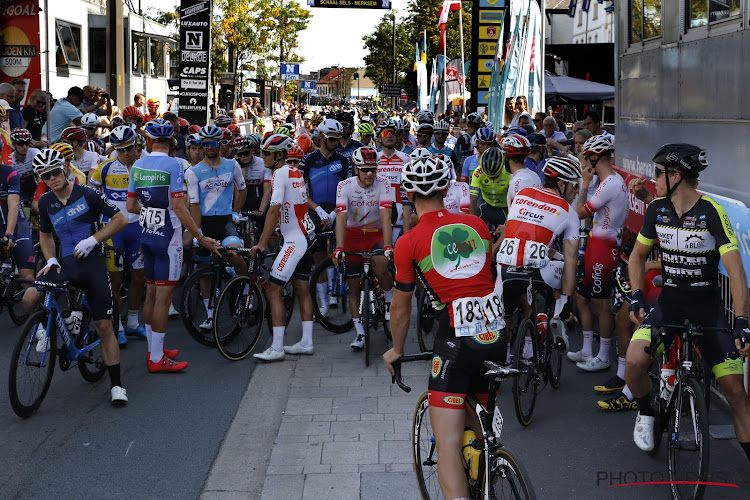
column 396, row 379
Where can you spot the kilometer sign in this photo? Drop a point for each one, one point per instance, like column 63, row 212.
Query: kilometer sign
column 195, row 50
column 19, row 53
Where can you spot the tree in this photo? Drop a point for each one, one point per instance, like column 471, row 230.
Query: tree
column 379, row 60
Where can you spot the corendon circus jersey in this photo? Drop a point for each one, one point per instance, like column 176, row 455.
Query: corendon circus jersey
column 290, row 191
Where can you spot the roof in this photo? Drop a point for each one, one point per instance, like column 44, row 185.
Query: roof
column 332, row 76
column 556, row 4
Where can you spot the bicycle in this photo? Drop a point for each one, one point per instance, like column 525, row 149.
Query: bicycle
column 427, row 322
column 338, row 319
column 502, row 476
column 681, row 409
column 11, row 292
column 37, row 349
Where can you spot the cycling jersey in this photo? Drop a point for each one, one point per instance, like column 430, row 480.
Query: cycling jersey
column 75, row 176
column 112, row 178
column 290, row 191
column 691, row 245
column 28, row 180
column 470, row 165
column 256, row 176
column 521, row 179
column 362, row 205
column 23, row 252
column 463, row 145
column 322, row 176
column 609, row 206
column 390, row 167
column 449, row 152
column 457, row 198
column 348, row 151
column 88, row 161
column 6, row 148
column 75, row 220
column 494, row 191
column 213, row 188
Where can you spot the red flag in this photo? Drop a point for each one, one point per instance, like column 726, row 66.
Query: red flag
column 448, row 6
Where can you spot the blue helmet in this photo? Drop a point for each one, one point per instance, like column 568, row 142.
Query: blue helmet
column 516, row 130
column 536, row 140
column 159, row 128
column 193, row 140
column 121, row 135
column 485, row 134
column 211, row 132
column 231, row 240
column 254, row 140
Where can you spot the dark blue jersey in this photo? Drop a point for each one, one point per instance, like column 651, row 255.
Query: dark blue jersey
column 322, row 176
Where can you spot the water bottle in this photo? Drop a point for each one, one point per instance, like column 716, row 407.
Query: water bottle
column 472, row 450
column 667, row 380
column 541, row 326
column 73, row 321
column 230, row 271
column 7, row 266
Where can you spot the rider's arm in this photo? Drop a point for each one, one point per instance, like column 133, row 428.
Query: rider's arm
column 570, row 257
column 637, row 264
column 400, row 316
column 272, row 218
column 732, row 261
column 116, row 224
column 385, row 220
column 239, row 200
column 241, row 193
column 583, row 194
column 13, row 201
column 47, row 245
column 340, row 228
column 266, row 197
column 181, row 211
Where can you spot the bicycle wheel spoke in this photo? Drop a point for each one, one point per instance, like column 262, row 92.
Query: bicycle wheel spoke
column 238, row 319
column 688, row 440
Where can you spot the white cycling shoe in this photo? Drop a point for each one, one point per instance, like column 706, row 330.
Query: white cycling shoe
column 41, row 336
column 207, row 325
column 577, row 357
column 270, row 354
column 643, row 432
column 298, row 349
column 359, row 342
column 119, row 395
column 593, row 365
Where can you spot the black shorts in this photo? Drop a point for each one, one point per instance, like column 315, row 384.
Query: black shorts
column 90, row 275
column 516, row 284
column 217, row 227
column 457, row 364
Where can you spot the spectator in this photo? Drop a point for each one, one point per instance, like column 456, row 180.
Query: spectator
column 139, row 100
column 510, row 112
column 35, row 116
column 592, row 122
column 580, row 138
column 539, row 122
column 95, row 101
column 64, row 113
column 8, row 94
column 522, row 109
column 550, row 130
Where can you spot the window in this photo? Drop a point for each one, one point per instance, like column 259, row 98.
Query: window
column 140, row 45
column 645, row 19
column 67, row 46
column 704, row 11
column 580, row 18
column 157, row 58
column 596, row 12
column 98, row 50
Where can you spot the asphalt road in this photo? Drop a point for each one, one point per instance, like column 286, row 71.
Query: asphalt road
column 160, row 445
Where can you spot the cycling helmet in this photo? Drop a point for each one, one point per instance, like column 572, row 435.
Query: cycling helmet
column 316, row 119
column 153, row 102
column 425, row 127
column 420, row 153
column 184, row 124
column 140, row 140
column 284, row 130
column 3, row 111
column 366, row 128
column 331, row 128
column 254, row 140
column 599, row 145
column 194, row 129
column 116, row 121
column 232, row 127
column 231, row 240
column 93, row 147
column 565, row 168
column 515, row 145
column 277, row 142
column 260, row 123
column 406, row 124
column 442, row 126
column 226, row 134
column 492, row 161
column 121, row 135
column 90, row 120
column 397, row 124
column 49, row 158
column 485, row 134
column 515, row 130
column 444, row 158
column 315, row 134
column 296, row 152
column 222, row 120
column 159, row 128
column 690, row 158
column 537, row 140
column 194, row 140
column 131, row 111
column 425, row 116
column 20, row 135
column 73, row 134
column 211, row 132
column 345, row 116
column 241, row 142
column 474, row 118
column 425, row 176
column 365, row 156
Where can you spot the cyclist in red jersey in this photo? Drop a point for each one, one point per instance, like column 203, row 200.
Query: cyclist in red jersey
column 450, row 255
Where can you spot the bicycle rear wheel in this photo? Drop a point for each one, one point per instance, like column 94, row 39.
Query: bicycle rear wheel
column 90, row 363
column 238, row 318
column 553, row 358
column 338, row 319
column 424, row 452
column 194, row 310
column 525, row 386
column 688, row 440
column 31, row 371
column 427, row 324
column 508, row 478
column 14, row 294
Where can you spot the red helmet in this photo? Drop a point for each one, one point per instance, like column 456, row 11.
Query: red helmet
column 241, row 142
column 183, row 122
column 516, row 145
column 131, row 111
column 73, row 134
column 226, row 134
column 194, row 129
column 365, row 156
column 232, row 127
column 20, row 135
column 295, row 152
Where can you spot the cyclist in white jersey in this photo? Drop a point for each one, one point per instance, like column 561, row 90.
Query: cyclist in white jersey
column 390, row 165
column 516, row 147
column 363, row 224
column 289, row 207
column 22, row 157
column 83, row 159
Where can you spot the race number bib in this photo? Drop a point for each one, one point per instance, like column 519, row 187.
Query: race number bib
column 151, row 218
column 534, row 253
column 308, row 225
column 477, row 315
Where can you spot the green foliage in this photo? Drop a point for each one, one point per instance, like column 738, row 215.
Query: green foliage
column 379, row 60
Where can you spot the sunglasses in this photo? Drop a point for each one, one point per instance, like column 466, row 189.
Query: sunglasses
column 388, row 133
column 659, row 171
column 266, row 152
column 424, row 134
column 241, row 154
column 125, row 149
column 368, row 170
column 52, row 173
column 210, row 144
column 293, row 161
column 441, row 133
column 333, row 139
column 23, row 143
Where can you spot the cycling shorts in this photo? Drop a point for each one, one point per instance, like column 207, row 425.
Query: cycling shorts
column 513, row 282
column 293, row 261
column 23, row 252
column 217, row 227
column 457, row 364
column 599, row 262
column 162, row 255
column 360, row 240
column 89, row 275
column 492, row 216
column 704, row 309
column 128, row 241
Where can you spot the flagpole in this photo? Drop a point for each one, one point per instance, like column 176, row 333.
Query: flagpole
column 443, row 96
column 462, row 83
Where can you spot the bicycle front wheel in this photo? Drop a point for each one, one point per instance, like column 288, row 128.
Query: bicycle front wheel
column 553, row 357
column 238, row 320
column 338, row 318
column 688, row 440
column 91, row 363
column 194, row 313
column 508, row 478
column 30, row 370
column 366, row 317
column 424, row 452
column 526, row 360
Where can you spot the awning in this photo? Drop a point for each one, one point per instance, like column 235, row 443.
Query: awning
column 569, row 90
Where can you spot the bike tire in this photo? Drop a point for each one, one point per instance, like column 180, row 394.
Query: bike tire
column 427, row 324
column 688, row 398
column 14, row 294
column 335, row 323
column 424, row 452
column 22, row 376
column 238, row 318
column 193, row 310
column 553, row 360
column 91, row 363
column 365, row 306
column 508, row 477
column 525, row 386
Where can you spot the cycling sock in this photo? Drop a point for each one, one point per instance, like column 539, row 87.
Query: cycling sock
column 114, row 375
column 388, row 294
column 322, row 293
column 157, row 346
column 358, row 326
column 119, row 325
column 133, row 319
column 644, row 406
column 307, row 328
column 746, row 447
column 588, row 340
column 278, row 338
column 148, row 336
column 627, row 393
column 209, row 312
column 604, row 349
column 621, row 368
column 528, row 348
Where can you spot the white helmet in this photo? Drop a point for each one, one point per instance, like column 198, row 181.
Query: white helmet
column 425, row 176
column 90, row 120
column 425, row 116
column 599, row 144
column 420, row 153
column 565, row 168
column 442, row 126
column 331, row 127
column 47, row 158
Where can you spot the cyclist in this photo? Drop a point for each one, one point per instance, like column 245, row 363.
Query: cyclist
column 516, row 148
column 226, row 142
column 257, row 176
column 363, row 224
column 90, row 124
column 194, row 151
column 153, row 110
column 449, row 254
column 73, row 211
column 83, row 160
column 609, row 206
column 537, row 154
column 112, row 178
column 289, row 207
column 483, row 139
column 439, row 146
column 491, row 181
column 464, row 144
column 457, row 199
column 347, row 145
column 22, row 157
column 694, row 233
column 390, row 165
column 424, row 136
column 366, row 133
column 213, row 206
column 133, row 115
column 13, row 223
column 72, row 173
column 155, row 192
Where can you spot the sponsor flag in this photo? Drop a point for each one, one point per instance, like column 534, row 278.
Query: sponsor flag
column 448, row 6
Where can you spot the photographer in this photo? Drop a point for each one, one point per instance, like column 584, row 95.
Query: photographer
column 95, row 101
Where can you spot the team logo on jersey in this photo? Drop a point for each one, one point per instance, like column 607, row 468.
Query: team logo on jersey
column 437, row 364
column 453, row 400
column 457, row 251
column 489, row 337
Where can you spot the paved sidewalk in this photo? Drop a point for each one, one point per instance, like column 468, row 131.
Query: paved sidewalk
column 322, row 427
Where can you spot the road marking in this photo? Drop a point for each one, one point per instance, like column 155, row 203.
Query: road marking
column 129, row 446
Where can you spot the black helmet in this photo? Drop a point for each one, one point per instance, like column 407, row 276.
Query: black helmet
column 690, row 158
column 492, row 161
column 536, row 140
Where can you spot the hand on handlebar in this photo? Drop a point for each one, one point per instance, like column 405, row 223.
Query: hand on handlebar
column 742, row 335
column 388, row 252
column 390, row 357
column 338, row 255
column 256, row 250
column 211, row 244
column 637, row 311
column 51, row 264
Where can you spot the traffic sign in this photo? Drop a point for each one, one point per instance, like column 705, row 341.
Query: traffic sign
column 290, row 71
column 307, row 87
column 392, row 90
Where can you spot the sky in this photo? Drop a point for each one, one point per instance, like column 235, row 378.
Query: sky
column 333, row 36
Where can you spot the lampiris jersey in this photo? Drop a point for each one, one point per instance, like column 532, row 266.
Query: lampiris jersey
column 157, row 182
column 322, row 176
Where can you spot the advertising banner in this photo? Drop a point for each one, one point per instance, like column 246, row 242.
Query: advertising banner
column 195, row 52
column 19, row 53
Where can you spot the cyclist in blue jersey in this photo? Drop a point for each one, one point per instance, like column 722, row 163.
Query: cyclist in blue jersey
column 73, row 211
column 22, row 156
column 439, row 146
column 155, row 193
column 464, row 144
column 13, row 224
column 347, row 145
column 484, row 139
